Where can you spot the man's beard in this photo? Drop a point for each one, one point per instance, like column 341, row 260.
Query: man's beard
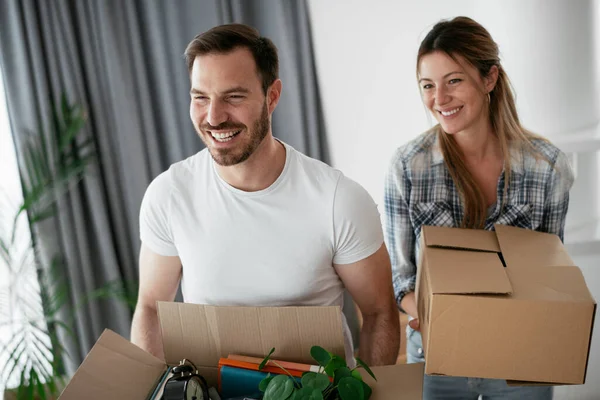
column 233, row 156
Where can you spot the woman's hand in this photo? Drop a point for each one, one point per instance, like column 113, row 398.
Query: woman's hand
column 409, row 304
column 414, row 324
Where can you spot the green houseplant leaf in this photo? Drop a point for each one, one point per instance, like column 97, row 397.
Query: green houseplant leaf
column 279, row 388
column 366, row 367
column 320, row 355
column 351, row 389
column 340, row 373
column 262, row 386
column 315, row 381
column 334, row 364
column 266, row 359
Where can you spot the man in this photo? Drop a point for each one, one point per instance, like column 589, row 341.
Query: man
column 251, row 221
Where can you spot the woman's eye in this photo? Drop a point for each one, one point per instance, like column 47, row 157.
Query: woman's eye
column 427, row 86
column 455, row 80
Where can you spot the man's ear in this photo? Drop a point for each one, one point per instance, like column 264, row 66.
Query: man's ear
column 491, row 79
column 274, row 94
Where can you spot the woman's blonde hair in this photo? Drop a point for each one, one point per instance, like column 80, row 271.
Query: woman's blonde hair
column 464, row 37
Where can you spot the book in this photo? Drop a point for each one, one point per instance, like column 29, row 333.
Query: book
column 273, row 369
column 285, row 364
column 235, row 382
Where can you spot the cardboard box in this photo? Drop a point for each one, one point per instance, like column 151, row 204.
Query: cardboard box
column 117, row 369
column 508, row 304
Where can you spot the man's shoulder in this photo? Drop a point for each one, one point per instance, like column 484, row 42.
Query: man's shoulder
column 181, row 174
column 313, row 168
column 191, row 165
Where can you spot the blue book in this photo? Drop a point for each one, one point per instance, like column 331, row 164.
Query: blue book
column 239, row 383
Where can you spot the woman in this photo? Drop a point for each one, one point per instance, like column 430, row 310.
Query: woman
column 478, row 166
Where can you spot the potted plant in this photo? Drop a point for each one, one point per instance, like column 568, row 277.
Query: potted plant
column 334, row 381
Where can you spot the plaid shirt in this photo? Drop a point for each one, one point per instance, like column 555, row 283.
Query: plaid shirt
column 419, row 191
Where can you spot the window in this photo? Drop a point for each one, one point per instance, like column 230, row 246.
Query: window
column 16, row 255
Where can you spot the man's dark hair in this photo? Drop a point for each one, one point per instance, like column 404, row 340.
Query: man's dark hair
column 226, row 38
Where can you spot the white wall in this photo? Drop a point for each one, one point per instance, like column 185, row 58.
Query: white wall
column 365, row 56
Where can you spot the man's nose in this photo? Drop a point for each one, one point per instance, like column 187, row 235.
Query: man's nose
column 217, row 113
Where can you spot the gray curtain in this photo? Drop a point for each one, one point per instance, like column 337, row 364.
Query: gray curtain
column 122, row 60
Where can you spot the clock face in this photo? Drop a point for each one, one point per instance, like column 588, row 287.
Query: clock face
column 194, row 390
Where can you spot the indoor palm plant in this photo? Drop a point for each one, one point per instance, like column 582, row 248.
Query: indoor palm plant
column 52, row 163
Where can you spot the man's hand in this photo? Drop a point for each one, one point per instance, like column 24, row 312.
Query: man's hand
column 159, row 280
column 369, row 281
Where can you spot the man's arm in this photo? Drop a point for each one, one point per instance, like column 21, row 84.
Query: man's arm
column 159, row 280
column 369, row 281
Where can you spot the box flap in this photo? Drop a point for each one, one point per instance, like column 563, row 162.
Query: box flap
column 203, row 334
column 396, row 382
column 559, row 284
column 465, row 272
column 458, row 238
column 114, row 369
column 527, row 248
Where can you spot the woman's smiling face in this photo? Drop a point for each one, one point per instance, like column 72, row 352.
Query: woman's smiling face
column 454, row 92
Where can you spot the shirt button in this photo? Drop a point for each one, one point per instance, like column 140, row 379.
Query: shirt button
column 420, row 351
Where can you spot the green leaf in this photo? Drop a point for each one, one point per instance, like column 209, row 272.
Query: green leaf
column 335, row 363
column 315, row 381
column 280, row 388
column 266, row 359
column 262, row 386
column 340, row 373
column 320, row 355
column 357, row 375
column 308, row 393
column 367, row 390
column 351, row 389
column 366, row 367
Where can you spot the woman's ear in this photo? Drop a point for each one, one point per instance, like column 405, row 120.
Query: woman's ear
column 491, row 78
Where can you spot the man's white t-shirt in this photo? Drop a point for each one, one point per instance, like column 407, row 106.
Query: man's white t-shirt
column 273, row 247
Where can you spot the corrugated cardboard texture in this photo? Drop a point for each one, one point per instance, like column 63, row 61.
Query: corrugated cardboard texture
column 539, row 333
column 492, row 338
column 526, row 248
column 203, row 334
column 439, row 236
column 557, row 284
column 465, row 271
column 400, row 382
column 117, row 369
column 114, row 369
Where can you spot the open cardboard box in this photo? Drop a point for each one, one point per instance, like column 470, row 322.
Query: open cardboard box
column 508, row 304
column 117, row 369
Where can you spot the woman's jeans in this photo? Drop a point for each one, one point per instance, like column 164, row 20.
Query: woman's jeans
column 452, row 388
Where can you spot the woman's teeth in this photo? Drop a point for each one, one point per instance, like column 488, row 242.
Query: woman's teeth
column 448, row 113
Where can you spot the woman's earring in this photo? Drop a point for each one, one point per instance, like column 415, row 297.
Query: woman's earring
column 489, row 98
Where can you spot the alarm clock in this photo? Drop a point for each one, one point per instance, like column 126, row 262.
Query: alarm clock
column 186, row 384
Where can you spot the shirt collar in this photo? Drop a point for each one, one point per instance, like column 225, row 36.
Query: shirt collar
column 516, row 156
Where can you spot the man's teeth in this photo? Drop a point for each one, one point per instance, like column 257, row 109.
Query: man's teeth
column 224, row 137
column 448, row 113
